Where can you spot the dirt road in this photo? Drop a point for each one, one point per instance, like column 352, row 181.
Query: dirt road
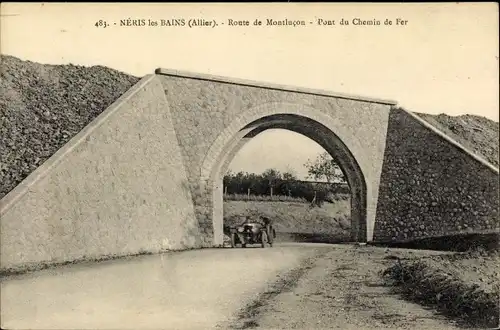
column 301, row 286
column 339, row 289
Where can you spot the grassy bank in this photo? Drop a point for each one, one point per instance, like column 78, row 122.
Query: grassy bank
column 280, row 198
column 463, row 286
column 293, row 220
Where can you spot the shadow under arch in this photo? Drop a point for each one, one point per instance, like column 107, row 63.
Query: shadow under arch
column 307, row 122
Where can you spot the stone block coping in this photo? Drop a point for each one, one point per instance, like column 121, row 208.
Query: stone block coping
column 252, row 83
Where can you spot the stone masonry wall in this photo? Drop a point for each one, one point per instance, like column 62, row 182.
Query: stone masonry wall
column 203, row 109
column 119, row 187
column 431, row 187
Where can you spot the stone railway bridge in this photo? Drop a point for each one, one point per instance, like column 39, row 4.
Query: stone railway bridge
column 146, row 175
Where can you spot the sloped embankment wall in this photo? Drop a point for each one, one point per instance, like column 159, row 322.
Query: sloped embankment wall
column 431, row 187
column 118, row 187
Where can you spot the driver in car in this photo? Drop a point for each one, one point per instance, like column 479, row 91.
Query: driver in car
column 240, row 234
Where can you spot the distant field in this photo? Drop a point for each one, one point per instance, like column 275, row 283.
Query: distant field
column 295, row 219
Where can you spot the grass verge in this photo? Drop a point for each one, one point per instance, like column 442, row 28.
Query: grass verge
column 264, row 198
column 280, row 198
column 463, row 286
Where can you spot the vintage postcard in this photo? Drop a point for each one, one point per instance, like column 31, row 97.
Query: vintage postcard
column 249, row 165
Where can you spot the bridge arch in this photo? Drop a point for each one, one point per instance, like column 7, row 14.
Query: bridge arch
column 329, row 133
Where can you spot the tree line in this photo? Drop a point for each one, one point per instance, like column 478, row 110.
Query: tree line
column 274, row 183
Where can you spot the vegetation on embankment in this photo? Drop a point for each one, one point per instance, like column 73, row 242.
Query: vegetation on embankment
column 279, row 198
column 294, row 221
column 463, row 286
column 263, row 198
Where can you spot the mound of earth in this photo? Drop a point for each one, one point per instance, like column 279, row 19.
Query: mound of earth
column 478, row 134
column 43, row 106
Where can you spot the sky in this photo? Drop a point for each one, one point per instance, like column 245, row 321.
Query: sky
column 443, row 60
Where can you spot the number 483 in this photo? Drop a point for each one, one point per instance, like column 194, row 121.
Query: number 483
column 101, row 23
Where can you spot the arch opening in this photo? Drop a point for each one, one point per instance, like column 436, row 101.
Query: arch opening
column 311, row 128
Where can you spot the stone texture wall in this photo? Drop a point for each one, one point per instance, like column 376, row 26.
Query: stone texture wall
column 431, row 187
column 119, row 187
column 208, row 113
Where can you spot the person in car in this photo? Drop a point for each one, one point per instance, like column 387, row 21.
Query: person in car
column 266, row 220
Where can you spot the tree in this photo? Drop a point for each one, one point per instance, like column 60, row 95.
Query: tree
column 289, row 176
column 324, row 167
column 288, row 183
column 228, row 178
column 272, row 176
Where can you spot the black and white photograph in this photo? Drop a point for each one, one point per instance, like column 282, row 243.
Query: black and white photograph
column 279, row 165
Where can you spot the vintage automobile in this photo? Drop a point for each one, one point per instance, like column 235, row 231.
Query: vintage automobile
column 251, row 232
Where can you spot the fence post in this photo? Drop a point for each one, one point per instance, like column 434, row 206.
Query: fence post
column 225, row 191
column 271, row 192
column 248, row 194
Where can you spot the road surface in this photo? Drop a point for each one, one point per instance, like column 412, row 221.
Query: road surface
column 299, row 286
